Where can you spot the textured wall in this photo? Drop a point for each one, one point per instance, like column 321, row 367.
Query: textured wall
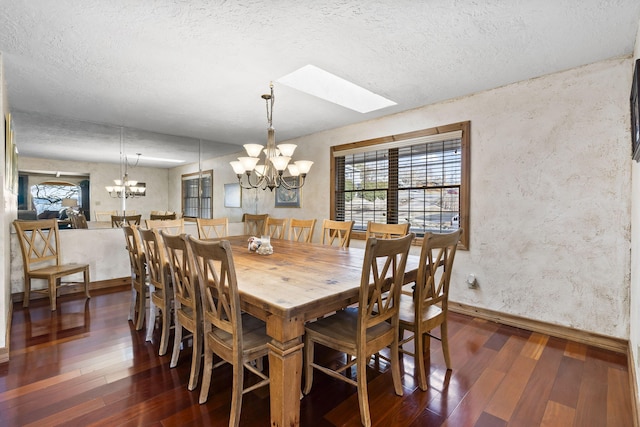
column 550, row 206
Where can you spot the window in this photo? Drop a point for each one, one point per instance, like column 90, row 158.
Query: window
column 419, row 177
column 197, row 195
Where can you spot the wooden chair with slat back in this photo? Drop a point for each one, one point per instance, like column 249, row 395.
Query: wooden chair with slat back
column 170, row 226
column 337, row 231
column 212, row 228
column 42, row 259
column 254, row 224
column 301, row 229
column 104, row 216
column 275, row 227
column 164, row 217
column 118, row 221
column 370, row 328
column 187, row 307
column 139, row 285
column 78, row 220
column 161, row 293
column 236, row 338
column 386, row 231
column 427, row 309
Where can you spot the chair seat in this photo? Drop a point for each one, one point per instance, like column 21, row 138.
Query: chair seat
column 407, row 310
column 341, row 329
column 254, row 335
column 55, row 270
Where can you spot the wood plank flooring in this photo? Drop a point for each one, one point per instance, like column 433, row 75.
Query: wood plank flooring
column 86, row 365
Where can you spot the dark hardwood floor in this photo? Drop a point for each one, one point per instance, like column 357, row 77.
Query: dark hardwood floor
column 85, row 365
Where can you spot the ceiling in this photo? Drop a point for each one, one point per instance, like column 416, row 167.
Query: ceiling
column 185, row 77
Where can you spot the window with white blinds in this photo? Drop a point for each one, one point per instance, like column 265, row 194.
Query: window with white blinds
column 420, row 178
column 197, row 195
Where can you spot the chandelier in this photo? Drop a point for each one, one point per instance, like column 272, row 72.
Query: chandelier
column 125, row 188
column 270, row 173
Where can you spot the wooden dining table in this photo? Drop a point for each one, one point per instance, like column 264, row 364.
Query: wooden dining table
column 299, row 282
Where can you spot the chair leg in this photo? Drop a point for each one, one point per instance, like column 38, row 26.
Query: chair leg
column 445, row 344
column 236, row 393
column 166, row 327
column 27, row 292
column 206, row 375
column 141, row 301
column 395, row 368
column 151, row 320
column 52, row 292
column 196, row 359
column 86, row 282
column 308, row 360
column 363, row 396
column 418, row 341
column 177, row 340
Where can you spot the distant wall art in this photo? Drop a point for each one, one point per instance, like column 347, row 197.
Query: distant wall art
column 11, row 157
column 232, row 195
column 635, row 113
column 286, row 198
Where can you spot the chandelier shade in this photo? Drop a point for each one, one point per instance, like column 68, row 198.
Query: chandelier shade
column 264, row 167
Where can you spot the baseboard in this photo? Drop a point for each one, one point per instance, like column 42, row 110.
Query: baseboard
column 633, row 386
column 76, row 288
column 602, row 341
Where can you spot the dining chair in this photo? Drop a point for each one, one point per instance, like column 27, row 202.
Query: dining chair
column 120, row 220
column 427, row 308
column 139, row 284
column 211, row 228
column 187, row 307
column 171, row 226
column 104, row 215
column 254, row 224
column 337, row 231
column 160, row 291
column 236, row 338
column 370, row 328
column 42, row 259
column 386, row 231
column 77, row 219
column 275, row 227
column 301, row 229
column 162, row 217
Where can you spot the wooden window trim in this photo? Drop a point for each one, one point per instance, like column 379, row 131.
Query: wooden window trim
column 465, row 127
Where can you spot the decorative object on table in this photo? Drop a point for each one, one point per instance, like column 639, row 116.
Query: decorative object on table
column 276, row 160
column 635, row 113
column 260, row 245
column 288, row 197
column 125, row 188
column 265, row 247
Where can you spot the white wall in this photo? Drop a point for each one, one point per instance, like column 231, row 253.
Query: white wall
column 9, row 213
column 634, row 335
column 550, row 206
column 103, row 174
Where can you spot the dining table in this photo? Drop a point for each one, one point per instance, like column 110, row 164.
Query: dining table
column 297, row 283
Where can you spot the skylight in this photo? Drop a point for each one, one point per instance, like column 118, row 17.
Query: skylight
column 317, row 82
column 159, row 159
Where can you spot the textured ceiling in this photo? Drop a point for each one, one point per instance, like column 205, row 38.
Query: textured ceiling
column 196, row 69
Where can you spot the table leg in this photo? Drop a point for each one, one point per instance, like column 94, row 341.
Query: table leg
column 285, row 371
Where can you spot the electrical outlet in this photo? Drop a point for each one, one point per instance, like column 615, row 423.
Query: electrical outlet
column 472, row 282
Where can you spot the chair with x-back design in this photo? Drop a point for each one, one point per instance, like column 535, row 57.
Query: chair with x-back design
column 41, row 257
